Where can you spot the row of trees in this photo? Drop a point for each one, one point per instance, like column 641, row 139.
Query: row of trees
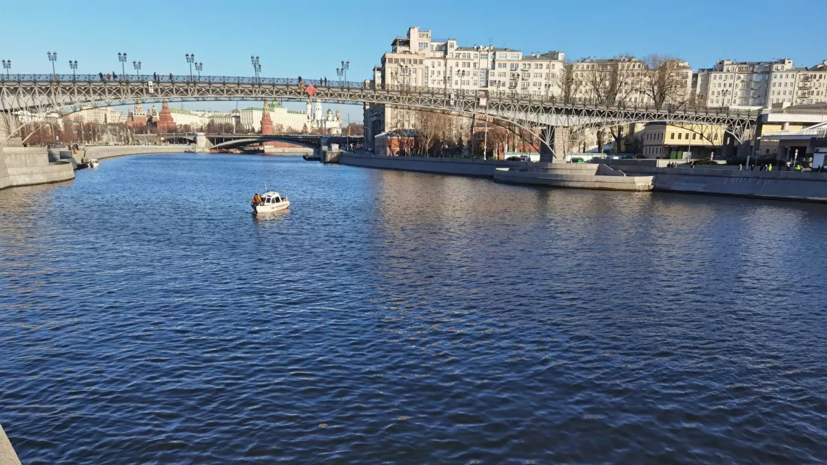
column 67, row 132
column 621, row 80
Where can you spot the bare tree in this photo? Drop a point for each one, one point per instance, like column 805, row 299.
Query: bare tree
column 665, row 80
column 566, row 82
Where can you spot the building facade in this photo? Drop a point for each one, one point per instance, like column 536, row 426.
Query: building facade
column 761, row 84
column 285, row 120
column 677, row 142
column 417, row 60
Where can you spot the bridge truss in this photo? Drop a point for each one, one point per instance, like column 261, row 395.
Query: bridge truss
column 26, row 95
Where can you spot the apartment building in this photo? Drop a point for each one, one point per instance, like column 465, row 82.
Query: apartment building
column 662, row 140
column 629, row 80
column 756, row 85
column 419, row 60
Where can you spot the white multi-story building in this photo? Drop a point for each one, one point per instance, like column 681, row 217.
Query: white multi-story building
column 292, row 120
column 100, row 115
column 419, row 61
column 760, row 84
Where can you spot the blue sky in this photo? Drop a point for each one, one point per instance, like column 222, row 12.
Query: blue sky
column 310, row 38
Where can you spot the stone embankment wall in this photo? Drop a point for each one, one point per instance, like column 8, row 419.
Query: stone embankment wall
column 26, row 166
column 729, row 180
column 112, row 151
column 455, row 166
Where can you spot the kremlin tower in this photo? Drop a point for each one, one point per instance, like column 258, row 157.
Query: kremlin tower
column 165, row 121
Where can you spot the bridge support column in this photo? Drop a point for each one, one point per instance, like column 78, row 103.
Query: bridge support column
column 8, row 125
column 554, row 138
column 202, row 144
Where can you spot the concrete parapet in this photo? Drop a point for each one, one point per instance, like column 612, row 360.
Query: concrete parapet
column 7, row 454
column 574, row 179
column 26, row 166
column 454, row 166
column 103, row 152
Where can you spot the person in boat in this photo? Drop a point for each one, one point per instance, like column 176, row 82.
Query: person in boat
column 257, row 199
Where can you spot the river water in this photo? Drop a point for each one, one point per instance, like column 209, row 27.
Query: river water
column 391, row 317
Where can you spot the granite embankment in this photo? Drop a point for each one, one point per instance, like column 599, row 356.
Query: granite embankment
column 712, row 180
column 26, row 166
column 577, row 176
column 730, row 181
column 111, row 151
column 455, row 166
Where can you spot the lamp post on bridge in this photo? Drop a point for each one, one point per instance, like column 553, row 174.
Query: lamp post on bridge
column 345, row 67
column 122, row 59
column 52, row 57
column 7, row 66
column 74, row 66
column 256, row 67
column 190, row 60
column 137, row 66
column 340, row 72
column 199, row 67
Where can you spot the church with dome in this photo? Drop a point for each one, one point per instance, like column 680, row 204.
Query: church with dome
column 317, row 119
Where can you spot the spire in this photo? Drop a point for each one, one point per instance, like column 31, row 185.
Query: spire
column 266, row 122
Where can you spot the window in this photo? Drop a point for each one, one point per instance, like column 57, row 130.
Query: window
column 679, row 135
column 423, row 46
column 673, row 135
column 515, row 56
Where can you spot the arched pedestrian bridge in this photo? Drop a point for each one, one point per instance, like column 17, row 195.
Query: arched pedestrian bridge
column 64, row 94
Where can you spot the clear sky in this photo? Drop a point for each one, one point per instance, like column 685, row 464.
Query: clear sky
column 310, row 38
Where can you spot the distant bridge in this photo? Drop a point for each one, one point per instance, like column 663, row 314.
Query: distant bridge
column 65, row 94
column 230, row 141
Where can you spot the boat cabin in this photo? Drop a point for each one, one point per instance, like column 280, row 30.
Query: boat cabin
column 269, row 198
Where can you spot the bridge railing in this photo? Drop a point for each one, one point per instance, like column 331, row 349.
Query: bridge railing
column 510, row 95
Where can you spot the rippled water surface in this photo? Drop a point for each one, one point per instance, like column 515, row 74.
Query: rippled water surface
column 390, row 317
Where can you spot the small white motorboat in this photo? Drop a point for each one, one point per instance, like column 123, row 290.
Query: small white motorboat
column 93, row 163
column 271, row 202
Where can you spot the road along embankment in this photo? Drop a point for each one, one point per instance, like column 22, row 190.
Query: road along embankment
column 27, row 166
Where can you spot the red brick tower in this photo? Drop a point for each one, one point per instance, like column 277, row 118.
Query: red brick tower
column 266, row 122
column 165, row 122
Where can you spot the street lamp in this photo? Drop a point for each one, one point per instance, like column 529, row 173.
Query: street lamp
column 256, row 66
column 199, row 67
column 7, row 66
column 345, row 67
column 122, row 59
column 190, row 60
column 52, row 57
column 137, row 66
column 340, row 72
column 74, row 66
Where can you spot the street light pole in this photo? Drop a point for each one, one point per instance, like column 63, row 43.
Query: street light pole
column 137, row 66
column 190, row 59
column 7, row 66
column 256, row 67
column 122, row 59
column 52, row 57
column 74, row 66
column 345, row 67
column 199, row 67
column 340, row 72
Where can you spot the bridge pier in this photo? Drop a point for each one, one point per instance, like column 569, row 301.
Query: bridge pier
column 202, row 144
column 556, row 138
